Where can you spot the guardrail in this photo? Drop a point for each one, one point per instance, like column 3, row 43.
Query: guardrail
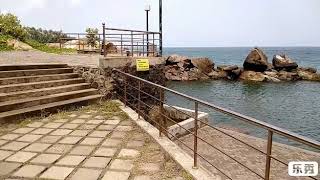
column 80, row 42
column 132, row 42
column 132, row 90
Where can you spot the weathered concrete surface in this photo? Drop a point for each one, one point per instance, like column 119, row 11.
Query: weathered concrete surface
column 180, row 156
column 246, row 155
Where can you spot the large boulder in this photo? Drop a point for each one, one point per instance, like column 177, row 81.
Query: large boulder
column 288, row 76
column 111, row 48
column 175, row 59
column 253, row 76
column 231, row 72
column 256, row 61
column 18, row 45
column 205, row 65
column 283, row 62
column 309, row 74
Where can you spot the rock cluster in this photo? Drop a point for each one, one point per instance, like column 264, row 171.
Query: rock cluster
column 255, row 68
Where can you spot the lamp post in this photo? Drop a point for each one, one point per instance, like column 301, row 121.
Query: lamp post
column 160, row 27
column 147, row 9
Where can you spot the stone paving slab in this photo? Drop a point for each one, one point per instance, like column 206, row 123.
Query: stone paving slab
column 81, row 145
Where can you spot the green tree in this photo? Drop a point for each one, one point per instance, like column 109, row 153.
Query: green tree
column 10, row 25
column 92, row 36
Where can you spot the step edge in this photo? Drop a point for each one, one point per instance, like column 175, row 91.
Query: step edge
column 40, row 82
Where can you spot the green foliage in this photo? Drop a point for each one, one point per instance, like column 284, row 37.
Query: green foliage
column 43, row 47
column 92, row 36
column 3, row 43
column 10, row 25
column 44, row 36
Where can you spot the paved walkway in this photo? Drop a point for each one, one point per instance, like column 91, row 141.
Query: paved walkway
column 83, row 145
column 36, row 57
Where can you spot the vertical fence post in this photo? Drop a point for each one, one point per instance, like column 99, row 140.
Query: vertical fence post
column 104, row 40
column 139, row 98
column 121, row 45
column 268, row 156
column 162, row 118
column 153, row 44
column 195, row 142
column 132, row 43
column 138, row 49
column 79, row 47
column 125, row 90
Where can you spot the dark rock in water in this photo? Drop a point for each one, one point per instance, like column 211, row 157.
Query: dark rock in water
column 256, row 61
column 232, row 72
column 283, row 62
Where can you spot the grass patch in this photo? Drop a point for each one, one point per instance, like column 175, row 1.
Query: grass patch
column 43, row 47
column 3, row 43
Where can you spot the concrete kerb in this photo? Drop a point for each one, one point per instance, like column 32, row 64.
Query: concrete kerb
column 178, row 155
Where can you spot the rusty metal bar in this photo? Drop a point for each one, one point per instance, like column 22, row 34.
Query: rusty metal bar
column 132, row 44
column 121, row 45
column 79, row 42
column 104, row 40
column 153, row 45
column 139, row 99
column 143, row 45
column 125, row 90
column 128, row 30
column 268, row 156
column 195, row 142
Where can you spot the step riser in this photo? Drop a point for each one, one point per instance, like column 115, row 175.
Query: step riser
column 34, row 66
column 40, row 85
column 45, row 101
column 23, row 95
column 8, row 74
column 46, row 112
column 36, row 79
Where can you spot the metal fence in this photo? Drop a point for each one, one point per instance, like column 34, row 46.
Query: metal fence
column 132, row 42
column 80, row 42
column 132, row 91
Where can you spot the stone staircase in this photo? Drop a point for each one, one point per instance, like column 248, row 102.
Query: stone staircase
column 26, row 89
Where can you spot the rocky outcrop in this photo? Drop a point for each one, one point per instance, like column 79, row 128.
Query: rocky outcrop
column 180, row 68
column 18, row 45
column 283, row 62
column 111, row 48
column 256, row 68
column 256, row 61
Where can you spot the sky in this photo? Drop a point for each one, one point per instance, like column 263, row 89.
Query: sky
column 186, row 23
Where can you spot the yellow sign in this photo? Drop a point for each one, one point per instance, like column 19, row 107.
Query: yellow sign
column 142, row 64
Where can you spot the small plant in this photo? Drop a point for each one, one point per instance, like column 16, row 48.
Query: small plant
column 92, row 37
column 3, row 43
column 43, row 47
column 45, row 36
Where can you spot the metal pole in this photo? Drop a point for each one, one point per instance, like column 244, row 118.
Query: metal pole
column 268, row 156
column 147, row 24
column 104, row 40
column 125, row 91
column 160, row 27
column 139, row 98
column 132, row 43
column 142, row 44
column 162, row 118
column 153, row 44
column 195, row 142
column 121, row 45
column 79, row 42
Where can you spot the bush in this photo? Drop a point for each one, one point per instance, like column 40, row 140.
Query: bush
column 43, row 47
column 44, row 36
column 10, row 25
column 3, row 43
column 92, row 37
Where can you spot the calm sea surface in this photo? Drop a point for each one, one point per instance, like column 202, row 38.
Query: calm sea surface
column 291, row 105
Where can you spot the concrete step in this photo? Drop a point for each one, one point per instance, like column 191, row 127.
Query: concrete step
column 34, row 72
column 31, row 66
column 42, row 92
column 39, row 85
column 49, row 106
column 35, row 101
column 29, row 79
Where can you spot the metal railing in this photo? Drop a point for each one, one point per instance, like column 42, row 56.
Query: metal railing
column 80, row 42
column 130, row 93
column 132, row 42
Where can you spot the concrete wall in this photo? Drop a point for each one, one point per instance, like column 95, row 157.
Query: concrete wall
column 120, row 61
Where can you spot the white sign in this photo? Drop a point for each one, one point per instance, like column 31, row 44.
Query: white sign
column 303, row 168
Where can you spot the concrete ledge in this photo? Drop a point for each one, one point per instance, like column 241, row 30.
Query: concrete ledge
column 179, row 155
column 120, row 61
